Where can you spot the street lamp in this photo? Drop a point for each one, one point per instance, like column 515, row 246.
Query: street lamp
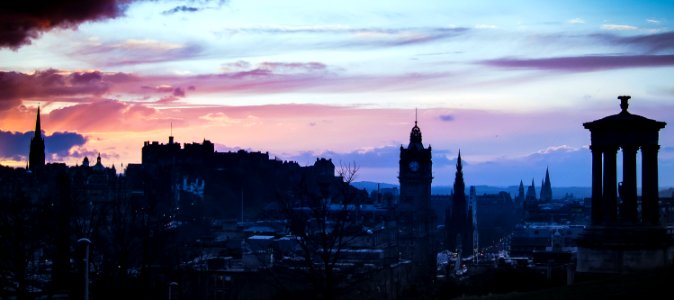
column 86, row 266
column 172, row 284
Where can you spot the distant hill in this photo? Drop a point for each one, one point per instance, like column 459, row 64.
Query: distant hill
column 372, row 186
column 557, row 192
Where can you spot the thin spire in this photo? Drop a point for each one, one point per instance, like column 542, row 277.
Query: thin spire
column 36, row 156
column 458, row 161
column 416, row 115
column 171, row 136
column 38, row 128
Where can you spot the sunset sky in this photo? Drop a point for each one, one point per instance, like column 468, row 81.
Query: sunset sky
column 509, row 83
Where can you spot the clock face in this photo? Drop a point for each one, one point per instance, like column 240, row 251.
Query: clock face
column 414, row 166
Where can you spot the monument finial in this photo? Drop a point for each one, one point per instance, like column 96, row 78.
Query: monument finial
column 623, row 102
column 416, row 114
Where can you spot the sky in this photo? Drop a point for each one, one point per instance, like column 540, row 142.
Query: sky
column 507, row 83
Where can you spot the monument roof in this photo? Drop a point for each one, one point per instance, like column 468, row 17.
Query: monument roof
column 624, row 121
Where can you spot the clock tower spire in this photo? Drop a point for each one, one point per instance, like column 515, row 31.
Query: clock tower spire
column 415, row 215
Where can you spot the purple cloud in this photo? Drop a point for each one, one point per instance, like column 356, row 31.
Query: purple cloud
column 133, row 52
column 446, row 118
column 178, row 92
column 583, row 63
column 49, row 83
column 367, row 37
column 652, row 43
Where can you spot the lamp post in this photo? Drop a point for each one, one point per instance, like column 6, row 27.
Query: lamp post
column 86, row 266
column 172, row 284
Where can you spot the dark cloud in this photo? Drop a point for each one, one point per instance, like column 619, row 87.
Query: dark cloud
column 584, row 63
column 181, row 8
column 22, row 21
column 196, row 5
column 446, row 118
column 16, row 145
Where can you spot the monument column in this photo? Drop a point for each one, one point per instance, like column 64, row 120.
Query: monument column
column 597, row 203
column 628, row 192
column 649, row 195
column 610, row 197
column 629, row 236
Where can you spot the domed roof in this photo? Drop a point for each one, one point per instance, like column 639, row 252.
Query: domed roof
column 415, row 137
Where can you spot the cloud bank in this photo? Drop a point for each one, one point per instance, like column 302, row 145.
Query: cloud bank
column 16, row 145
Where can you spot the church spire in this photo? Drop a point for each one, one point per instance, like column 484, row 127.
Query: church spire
column 546, row 187
column 520, row 193
column 36, row 155
column 38, row 128
column 459, row 166
column 459, row 185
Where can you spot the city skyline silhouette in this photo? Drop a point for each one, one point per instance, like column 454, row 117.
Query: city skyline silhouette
column 234, row 149
column 506, row 83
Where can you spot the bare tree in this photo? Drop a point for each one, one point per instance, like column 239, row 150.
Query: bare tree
column 323, row 229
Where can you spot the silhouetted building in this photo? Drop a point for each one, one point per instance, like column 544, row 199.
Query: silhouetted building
column 459, row 222
column 622, row 236
column 530, row 201
column 546, row 188
column 520, row 195
column 497, row 216
column 416, row 218
column 530, row 198
column 36, row 156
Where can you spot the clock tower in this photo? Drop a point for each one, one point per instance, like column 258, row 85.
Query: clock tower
column 416, row 220
column 415, row 175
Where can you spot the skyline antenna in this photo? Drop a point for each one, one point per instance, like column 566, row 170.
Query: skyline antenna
column 416, row 115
